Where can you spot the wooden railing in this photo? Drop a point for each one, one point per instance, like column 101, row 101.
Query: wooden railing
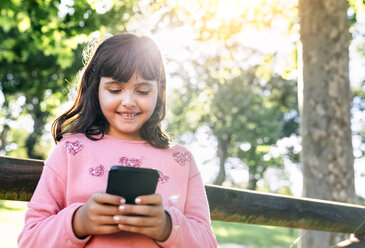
column 19, row 177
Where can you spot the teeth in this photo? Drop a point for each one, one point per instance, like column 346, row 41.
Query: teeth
column 129, row 115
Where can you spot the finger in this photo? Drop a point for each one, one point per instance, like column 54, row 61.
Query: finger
column 145, row 210
column 108, row 210
column 154, row 199
column 139, row 221
column 106, row 229
column 105, row 198
column 102, row 220
column 136, row 229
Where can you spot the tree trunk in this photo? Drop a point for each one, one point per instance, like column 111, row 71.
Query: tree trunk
column 3, row 136
column 222, row 155
column 6, row 128
column 324, row 103
column 252, row 170
column 252, row 181
column 39, row 118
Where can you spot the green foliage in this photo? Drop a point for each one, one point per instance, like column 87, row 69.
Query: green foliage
column 41, row 46
column 17, row 138
column 222, row 20
column 240, row 101
column 284, row 191
column 238, row 107
column 357, row 6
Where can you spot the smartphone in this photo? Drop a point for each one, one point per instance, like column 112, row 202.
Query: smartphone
column 131, row 182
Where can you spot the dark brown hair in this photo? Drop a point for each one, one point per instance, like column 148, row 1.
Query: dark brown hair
column 119, row 57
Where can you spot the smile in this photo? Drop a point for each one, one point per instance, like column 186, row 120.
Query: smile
column 128, row 114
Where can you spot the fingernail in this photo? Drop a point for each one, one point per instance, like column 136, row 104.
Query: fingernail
column 122, row 201
column 116, row 218
column 138, row 200
column 121, row 208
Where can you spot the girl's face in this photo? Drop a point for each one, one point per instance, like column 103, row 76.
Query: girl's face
column 127, row 105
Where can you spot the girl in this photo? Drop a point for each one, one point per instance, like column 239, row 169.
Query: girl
column 115, row 120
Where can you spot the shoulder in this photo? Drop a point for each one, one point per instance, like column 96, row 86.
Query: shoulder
column 78, row 139
column 178, row 148
column 71, row 137
column 67, row 151
column 181, row 154
column 71, row 144
column 71, row 147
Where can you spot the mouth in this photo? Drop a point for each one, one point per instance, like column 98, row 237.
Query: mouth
column 127, row 114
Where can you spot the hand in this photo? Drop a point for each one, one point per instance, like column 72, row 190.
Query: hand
column 147, row 217
column 96, row 216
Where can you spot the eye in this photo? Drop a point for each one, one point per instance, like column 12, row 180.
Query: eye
column 114, row 91
column 143, row 92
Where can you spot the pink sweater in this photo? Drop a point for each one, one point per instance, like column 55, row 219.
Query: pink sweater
column 78, row 167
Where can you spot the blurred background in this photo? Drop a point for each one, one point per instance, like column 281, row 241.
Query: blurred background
column 232, row 69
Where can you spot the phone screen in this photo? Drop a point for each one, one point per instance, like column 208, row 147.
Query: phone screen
column 131, row 182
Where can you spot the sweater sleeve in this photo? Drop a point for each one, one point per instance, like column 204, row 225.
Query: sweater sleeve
column 48, row 221
column 191, row 228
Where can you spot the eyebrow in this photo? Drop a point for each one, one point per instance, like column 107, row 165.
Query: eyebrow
column 117, row 82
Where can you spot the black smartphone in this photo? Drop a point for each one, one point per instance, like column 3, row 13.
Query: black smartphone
column 131, row 182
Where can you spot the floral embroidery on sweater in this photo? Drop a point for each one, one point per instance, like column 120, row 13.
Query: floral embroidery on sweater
column 74, row 147
column 130, row 162
column 137, row 162
column 98, row 171
column 182, row 158
column 163, row 177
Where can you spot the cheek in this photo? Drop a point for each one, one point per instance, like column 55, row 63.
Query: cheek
column 105, row 103
column 148, row 104
column 153, row 104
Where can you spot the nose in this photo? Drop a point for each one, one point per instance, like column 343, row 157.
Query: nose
column 128, row 99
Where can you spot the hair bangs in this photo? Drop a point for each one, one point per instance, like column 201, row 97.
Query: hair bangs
column 141, row 57
column 121, row 64
column 150, row 64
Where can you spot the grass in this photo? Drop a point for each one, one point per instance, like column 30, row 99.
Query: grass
column 11, row 222
column 253, row 236
column 229, row 235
